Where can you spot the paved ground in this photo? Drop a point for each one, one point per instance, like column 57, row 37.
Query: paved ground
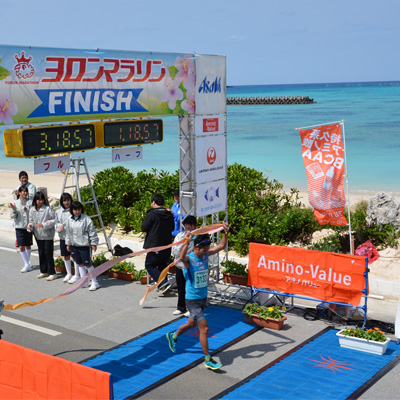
column 86, row 323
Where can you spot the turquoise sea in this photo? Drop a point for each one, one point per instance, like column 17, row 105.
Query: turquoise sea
column 265, row 136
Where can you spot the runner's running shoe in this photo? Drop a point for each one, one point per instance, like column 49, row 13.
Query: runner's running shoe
column 171, row 341
column 212, row 364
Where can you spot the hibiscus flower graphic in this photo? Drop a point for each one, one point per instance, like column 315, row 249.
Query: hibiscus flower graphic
column 172, row 93
column 7, row 108
column 179, row 90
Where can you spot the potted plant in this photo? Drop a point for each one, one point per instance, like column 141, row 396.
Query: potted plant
column 99, row 260
column 141, row 276
column 60, row 265
column 234, row 273
column 267, row 317
column 367, row 340
column 124, row 270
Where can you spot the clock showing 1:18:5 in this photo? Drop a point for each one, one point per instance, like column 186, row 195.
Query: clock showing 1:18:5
column 134, row 132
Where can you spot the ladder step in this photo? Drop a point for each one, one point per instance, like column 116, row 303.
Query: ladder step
column 89, row 202
column 86, row 187
column 94, row 216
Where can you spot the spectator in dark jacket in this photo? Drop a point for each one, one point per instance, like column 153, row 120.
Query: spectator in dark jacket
column 158, row 225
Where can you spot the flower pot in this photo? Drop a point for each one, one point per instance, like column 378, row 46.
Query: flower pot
column 61, row 269
column 125, row 276
column 368, row 346
column 143, row 280
column 235, row 279
column 271, row 323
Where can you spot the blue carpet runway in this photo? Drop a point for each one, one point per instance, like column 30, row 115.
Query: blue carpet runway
column 146, row 361
column 320, row 369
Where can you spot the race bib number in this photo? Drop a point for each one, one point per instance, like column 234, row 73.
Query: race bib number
column 200, row 279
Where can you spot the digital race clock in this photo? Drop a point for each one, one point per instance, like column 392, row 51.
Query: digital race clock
column 133, row 132
column 46, row 140
column 57, row 139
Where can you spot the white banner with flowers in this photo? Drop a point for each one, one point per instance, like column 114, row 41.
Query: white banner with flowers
column 48, row 84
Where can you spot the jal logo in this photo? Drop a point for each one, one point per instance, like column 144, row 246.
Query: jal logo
column 211, row 194
column 210, row 87
column 211, row 155
column 23, row 69
column 210, row 125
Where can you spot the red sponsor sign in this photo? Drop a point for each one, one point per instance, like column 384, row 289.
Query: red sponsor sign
column 210, row 125
column 317, row 274
column 323, row 157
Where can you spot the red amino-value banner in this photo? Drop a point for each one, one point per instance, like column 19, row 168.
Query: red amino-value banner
column 318, row 274
column 323, row 157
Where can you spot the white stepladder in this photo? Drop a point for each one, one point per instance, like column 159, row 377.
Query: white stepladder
column 75, row 171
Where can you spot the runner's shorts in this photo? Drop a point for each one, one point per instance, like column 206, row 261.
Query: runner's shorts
column 196, row 309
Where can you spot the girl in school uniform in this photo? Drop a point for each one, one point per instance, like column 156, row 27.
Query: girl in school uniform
column 41, row 222
column 81, row 239
column 63, row 214
column 20, row 213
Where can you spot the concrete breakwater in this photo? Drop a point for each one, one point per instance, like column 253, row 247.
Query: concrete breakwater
column 269, row 100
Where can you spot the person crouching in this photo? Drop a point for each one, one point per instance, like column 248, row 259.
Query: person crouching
column 81, row 239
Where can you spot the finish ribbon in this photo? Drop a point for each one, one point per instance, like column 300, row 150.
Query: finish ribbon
column 209, row 229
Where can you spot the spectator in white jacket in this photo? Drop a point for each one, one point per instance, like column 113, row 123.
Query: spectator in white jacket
column 20, row 214
column 63, row 214
column 41, row 222
column 81, row 239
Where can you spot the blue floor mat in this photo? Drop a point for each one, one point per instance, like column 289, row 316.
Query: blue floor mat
column 143, row 362
column 320, row 369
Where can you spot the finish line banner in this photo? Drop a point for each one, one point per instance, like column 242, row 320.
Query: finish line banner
column 323, row 157
column 48, row 84
column 318, row 274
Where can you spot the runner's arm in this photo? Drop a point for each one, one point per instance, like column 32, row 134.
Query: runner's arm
column 183, row 256
column 223, row 242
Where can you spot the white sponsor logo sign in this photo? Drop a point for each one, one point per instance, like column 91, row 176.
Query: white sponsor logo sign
column 51, row 164
column 127, row 154
column 210, row 84
column 211, row 198
column 210, row 158
column 209, row 125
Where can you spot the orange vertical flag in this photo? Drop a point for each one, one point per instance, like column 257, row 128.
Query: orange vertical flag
column 323, row 157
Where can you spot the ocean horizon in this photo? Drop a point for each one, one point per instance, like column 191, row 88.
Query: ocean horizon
column 264, row 137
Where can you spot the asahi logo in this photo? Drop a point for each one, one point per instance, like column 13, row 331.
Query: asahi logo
column 210, row 87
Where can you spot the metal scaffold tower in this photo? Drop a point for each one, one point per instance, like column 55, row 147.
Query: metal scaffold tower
column 190, row 193
column 77, row 169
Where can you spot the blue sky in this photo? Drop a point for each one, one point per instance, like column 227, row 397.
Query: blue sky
column 265, row 41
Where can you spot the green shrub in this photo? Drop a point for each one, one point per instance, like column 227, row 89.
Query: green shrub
column 258, row 209
column 254, row 206
column 330, row 243
column 99, row 260
column 124, row 266
column 124, row 197
column 233, row 267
